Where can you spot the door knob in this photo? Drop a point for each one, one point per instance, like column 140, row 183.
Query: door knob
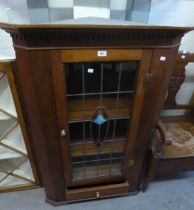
column 63, row 133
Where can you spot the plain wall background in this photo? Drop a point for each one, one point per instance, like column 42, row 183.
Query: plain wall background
column 177, row 12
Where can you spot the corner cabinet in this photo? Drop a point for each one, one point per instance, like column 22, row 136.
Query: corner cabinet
column 92, row 96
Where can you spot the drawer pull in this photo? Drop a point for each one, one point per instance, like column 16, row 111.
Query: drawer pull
column 97, row 194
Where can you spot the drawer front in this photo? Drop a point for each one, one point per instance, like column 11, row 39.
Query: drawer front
column 97, row 192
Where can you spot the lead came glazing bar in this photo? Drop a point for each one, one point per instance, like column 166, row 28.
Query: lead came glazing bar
column 88, row 120
column 97, row 93
column 115, row 121
column 103, row 159
column 83, row 118
column 99, row 127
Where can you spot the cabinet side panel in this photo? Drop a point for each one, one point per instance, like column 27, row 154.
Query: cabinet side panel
column 61, row 106
column 137, row 107
column 161, row 71
column 36, row 88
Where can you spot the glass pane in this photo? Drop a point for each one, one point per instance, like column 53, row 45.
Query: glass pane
column 103, row 168
column 76, row 131
column 99, row 109
column 88, row 136
column 92, row 77
column 91, row 102
column 109, row 101
column 128, row 75
column 124, row 100
column 75, row 103
column 78, row 170
column 111, row 73
column 73, row 75
column 116, row 166
column 121, row 128
column 91, row 169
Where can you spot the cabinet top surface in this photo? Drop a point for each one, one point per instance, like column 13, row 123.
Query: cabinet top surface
column 92, row 23
column 93, row 32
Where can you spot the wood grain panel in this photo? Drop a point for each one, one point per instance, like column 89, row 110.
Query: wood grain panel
column 123, row 110
column 152, row 104
column 137, row 110
column 70, row 56
column 97, row 192
column 41, row 118
column 108, row 147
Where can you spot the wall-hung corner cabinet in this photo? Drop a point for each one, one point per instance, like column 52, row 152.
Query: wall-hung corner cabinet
column 92, row 96
column 17, row 170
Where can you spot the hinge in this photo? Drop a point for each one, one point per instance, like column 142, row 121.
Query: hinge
column 147, row 79
column 131, row 163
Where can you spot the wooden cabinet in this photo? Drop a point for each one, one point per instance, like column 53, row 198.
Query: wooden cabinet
column 92, row 95
column 17, row 170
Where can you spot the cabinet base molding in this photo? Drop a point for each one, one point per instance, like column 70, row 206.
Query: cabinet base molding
column 55, row 203
column 27, row 186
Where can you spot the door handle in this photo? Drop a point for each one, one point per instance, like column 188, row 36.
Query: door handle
column 63, row 133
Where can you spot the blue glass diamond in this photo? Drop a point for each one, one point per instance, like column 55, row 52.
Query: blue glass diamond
column 100, row 119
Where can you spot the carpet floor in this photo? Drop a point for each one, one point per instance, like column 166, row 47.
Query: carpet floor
column 169, row 193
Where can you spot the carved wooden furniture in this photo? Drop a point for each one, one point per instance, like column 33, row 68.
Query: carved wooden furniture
column 172, row 149
column 92, row 95
column 17, row 170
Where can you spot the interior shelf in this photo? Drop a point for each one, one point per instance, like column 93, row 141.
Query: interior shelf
column 6, row 99
column 18, row 168
column 89, row 148
column 5, row 116
column 77, row 111
column 6, row 153
column 12, row 181
column 14, row 140
column 7, row 165
column 24, row 171
column 6, row 121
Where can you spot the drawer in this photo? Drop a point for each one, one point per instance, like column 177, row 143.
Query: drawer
column 97, row 192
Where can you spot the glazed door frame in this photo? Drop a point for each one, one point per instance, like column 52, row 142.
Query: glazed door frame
column 59, row 58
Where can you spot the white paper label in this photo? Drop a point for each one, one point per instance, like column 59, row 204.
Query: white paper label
column 162, row 58
column 102, row 53
column 91, row 71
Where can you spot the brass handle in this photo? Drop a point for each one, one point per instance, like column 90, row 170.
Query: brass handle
column 63, row 133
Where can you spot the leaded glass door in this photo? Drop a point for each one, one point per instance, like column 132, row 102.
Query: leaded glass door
column 103, row 99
